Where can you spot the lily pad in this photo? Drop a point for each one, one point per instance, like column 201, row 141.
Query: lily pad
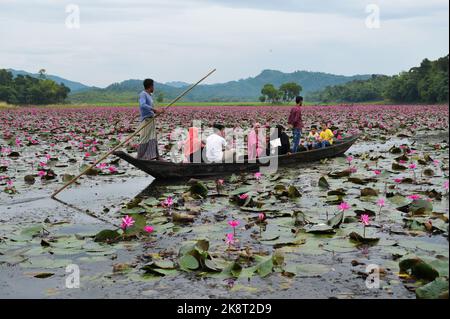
column 337, row 220
column 354, row 236
column 319, row 229
column 437, row 289
column 107, row 236
column 323, row 183
column 189, row 262
column 419, row 269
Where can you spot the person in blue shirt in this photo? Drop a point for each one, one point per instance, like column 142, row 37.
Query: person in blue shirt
column 148, row 143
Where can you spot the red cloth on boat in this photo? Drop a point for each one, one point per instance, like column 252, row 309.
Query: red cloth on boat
column 192, row 143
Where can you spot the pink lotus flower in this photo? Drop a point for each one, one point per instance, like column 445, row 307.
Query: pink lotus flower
column 350, row 159
column 42, row 174
column 353, row 169
column 234, row 223
column 402, row 162
column 446, row 185
column 220, row 182
column 398, row 180
column 344, row 206
column 168, row 202
column 261, row 217
column 87, row 154
column 112, row 169
column 365, row 220
column 10, row 183
column 436, row 162
column 258, row 176
column 381, row 202
column 412, row 166
column 230, row 239
column 414, row 197
column 243, row 196
column 102, row 165
column 149, row 229
column 377, row 172
column 42, row 164
column 127, row 222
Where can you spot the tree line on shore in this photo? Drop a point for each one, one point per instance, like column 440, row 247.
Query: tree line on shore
column 27, row 90
column 427, row 83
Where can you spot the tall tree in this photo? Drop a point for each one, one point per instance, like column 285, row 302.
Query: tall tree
column 42, row 74
column 290, row 91
column 271, row 93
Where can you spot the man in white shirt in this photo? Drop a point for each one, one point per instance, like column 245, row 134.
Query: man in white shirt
column 215, row 145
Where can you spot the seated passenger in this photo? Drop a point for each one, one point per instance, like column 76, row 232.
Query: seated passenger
column 326, row 136
column 256, row 142
column 279, row 141
column 216, row 146
column 313, row 139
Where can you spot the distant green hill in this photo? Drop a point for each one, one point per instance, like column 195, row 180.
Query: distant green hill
column 243, row 90
column 73, row 86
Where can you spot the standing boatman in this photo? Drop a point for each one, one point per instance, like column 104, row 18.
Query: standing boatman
column 296, row 123
column 148, row 143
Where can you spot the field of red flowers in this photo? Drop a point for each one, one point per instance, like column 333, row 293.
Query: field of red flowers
column 309, row 231
column 42, row 138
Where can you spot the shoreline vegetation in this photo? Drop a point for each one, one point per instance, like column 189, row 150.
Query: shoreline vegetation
column 426, row 84
column 206, row 104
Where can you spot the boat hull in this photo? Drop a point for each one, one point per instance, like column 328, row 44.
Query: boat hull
column 168, row 170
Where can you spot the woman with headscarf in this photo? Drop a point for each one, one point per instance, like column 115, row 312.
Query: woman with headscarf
column 256, row 142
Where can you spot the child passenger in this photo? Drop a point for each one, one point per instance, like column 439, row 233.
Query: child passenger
column 326, row 136
column 313, row 139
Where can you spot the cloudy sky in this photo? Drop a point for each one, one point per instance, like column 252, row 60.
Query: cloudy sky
column 182, row 39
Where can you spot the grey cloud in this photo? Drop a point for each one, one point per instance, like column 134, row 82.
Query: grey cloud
column 392, row 9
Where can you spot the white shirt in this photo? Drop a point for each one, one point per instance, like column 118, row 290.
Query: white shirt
column 214, row 148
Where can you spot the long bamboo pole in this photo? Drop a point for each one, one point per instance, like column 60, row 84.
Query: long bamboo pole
column 130, row 137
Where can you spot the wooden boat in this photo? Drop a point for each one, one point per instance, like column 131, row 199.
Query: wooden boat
column 169, row 170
